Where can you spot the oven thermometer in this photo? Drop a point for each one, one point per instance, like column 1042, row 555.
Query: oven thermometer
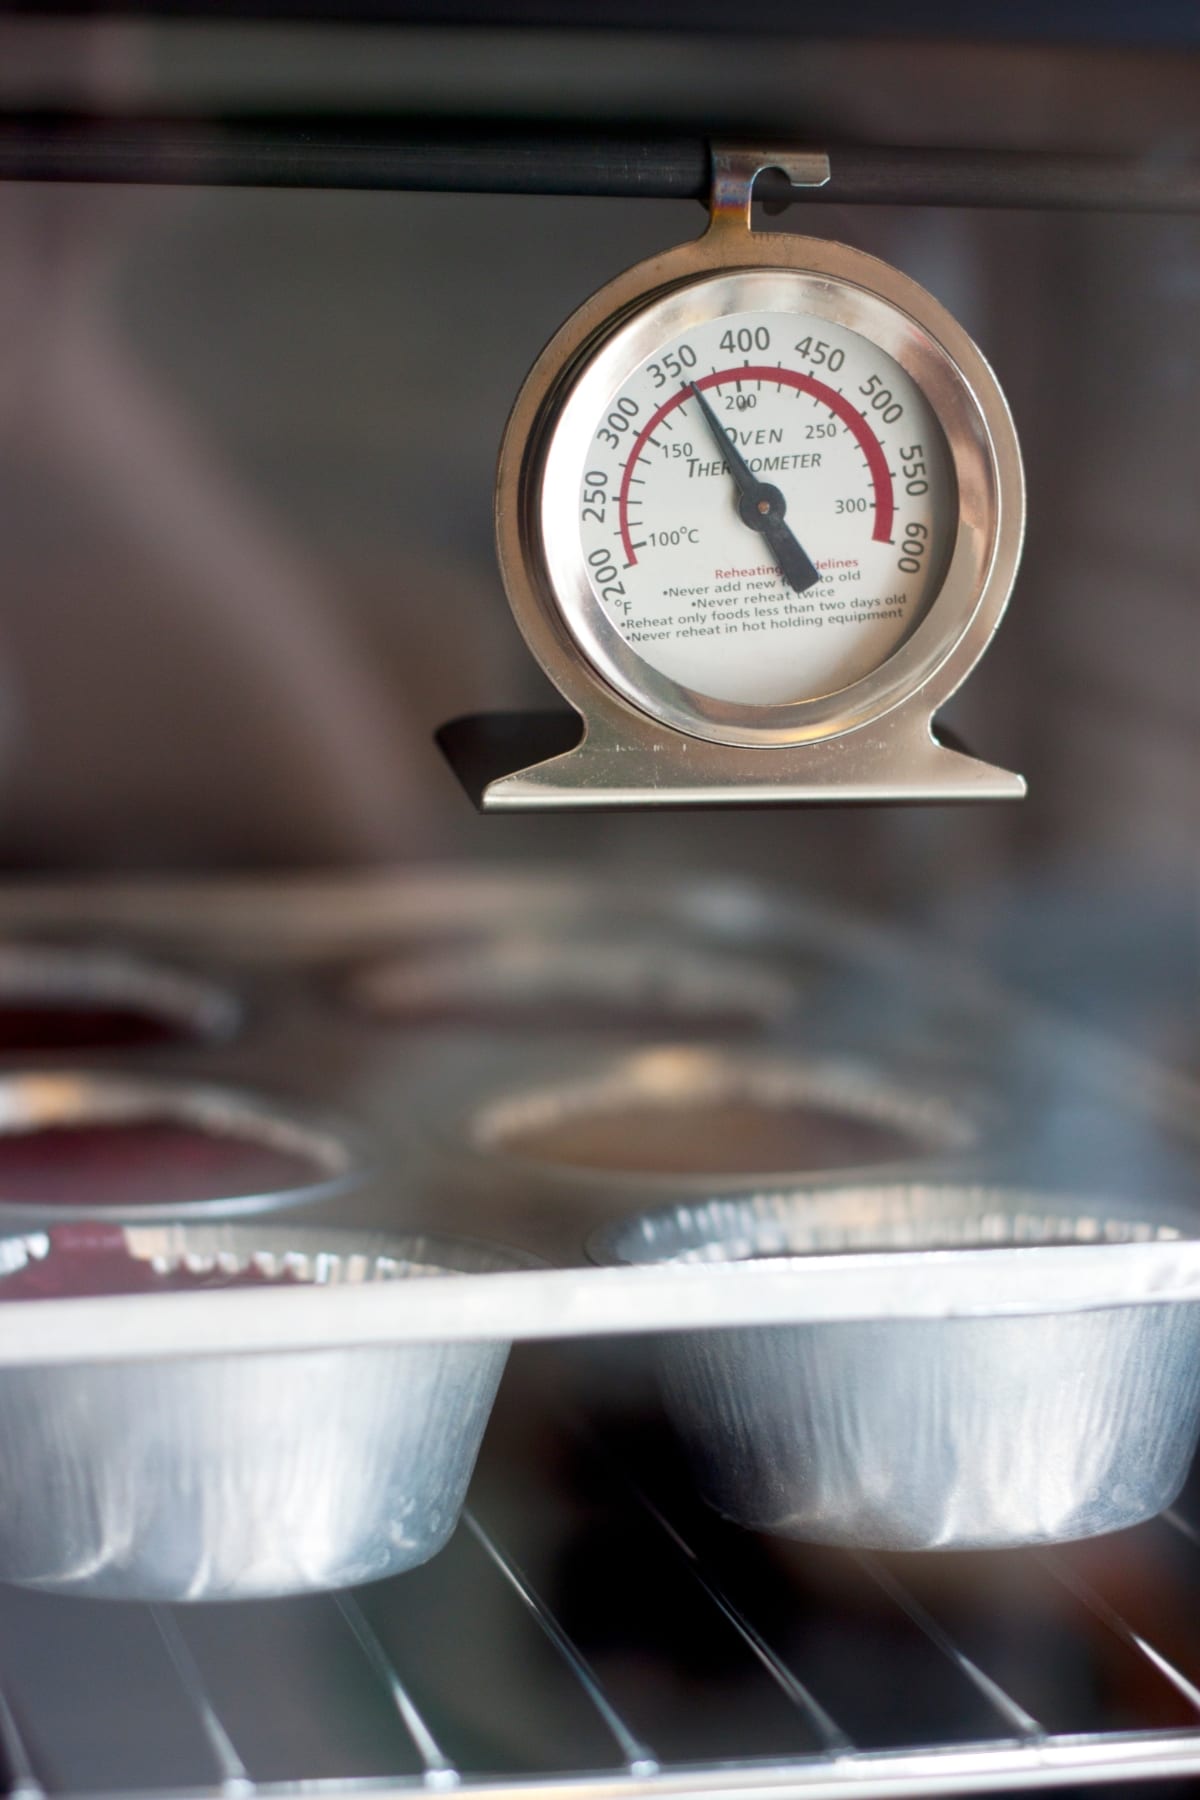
column 759, row 510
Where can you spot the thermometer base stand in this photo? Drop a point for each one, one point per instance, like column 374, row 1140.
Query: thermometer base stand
column 618, row 764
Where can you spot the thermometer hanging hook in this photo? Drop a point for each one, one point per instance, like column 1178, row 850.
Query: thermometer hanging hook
column 736, row 168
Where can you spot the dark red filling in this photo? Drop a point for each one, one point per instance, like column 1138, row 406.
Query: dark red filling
column 141, row 1162
column 28, row 1027
column 85, row 1260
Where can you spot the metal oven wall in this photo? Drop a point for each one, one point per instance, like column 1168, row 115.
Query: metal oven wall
column 246, row 451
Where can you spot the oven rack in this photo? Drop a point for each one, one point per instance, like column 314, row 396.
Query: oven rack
column 640, row 1653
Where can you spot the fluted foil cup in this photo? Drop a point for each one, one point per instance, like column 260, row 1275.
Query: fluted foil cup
column 958, row 1432
column 245, row 1475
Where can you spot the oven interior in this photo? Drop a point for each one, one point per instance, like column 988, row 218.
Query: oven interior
column 248, row 424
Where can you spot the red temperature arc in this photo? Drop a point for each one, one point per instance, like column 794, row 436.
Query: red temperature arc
column 850, row 416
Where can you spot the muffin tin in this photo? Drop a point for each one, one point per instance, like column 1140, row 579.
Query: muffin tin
column 118, row 1143
column 465, row 1040
column 672, row 1115
column 558, row 1144
column 575, row 983
column 78, row 999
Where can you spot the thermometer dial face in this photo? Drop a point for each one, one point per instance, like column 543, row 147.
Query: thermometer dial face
column 844, row 452
column 749, row 498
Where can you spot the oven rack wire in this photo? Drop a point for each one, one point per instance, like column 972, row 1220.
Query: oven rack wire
column 1008, row 1747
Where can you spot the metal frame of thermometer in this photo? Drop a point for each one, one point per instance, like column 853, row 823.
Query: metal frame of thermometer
column 656, row 727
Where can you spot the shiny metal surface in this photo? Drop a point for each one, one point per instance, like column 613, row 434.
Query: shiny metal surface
column 579, row 981
column 54, row 1098
column 647, row 743
column 231, row 1476
column 618, row 1302
column 922, row 1434
column 862, row 986
column 682, row 1082
column 563, row 1142
column 79, row 975
column 1011, row 1670
column 590, row 1630
column 556, row 1141
column 263, row 921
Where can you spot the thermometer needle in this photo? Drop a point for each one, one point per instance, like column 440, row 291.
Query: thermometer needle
column 761, row 506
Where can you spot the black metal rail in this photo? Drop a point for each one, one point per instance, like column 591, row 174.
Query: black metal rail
column 466, row 156
column 1080, row 22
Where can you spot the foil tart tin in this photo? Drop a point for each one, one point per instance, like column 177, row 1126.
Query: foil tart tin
column 48, row 1105
column 228, row 1476
column 1046, row 1419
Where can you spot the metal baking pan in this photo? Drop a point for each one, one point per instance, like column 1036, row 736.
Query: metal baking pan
column 555, row 1144
column 621, row 1300
column 984, row 1428
column 864, row 992
column 384, row 993
column 227, row 1476
column 82, row 998
column 315, row 920
column 580, row 981
column 674, row 1114
column 870, row 996
column 108, row 1144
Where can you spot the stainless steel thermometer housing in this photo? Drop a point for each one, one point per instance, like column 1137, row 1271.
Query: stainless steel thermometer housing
column 651, row 737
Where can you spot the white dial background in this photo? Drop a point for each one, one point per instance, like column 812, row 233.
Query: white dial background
column 832, row 422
